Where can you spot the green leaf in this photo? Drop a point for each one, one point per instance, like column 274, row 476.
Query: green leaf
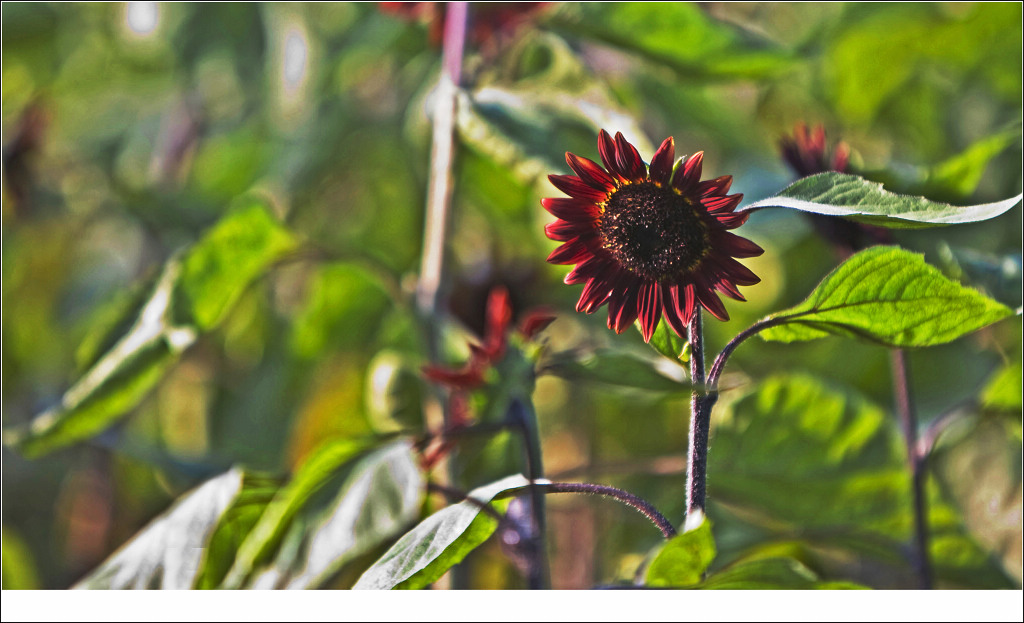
column 192, row 294
column 234, row 525
column 19, row 570
column 799, row 459
column 889, row 296
column 375, row 502
column 961, row 174
column 266, row 534
column 770, row 574
column 1003, row 391
column 683, row 560
column 855, row 198
column 670, row 345
column 620, row 369
column 217, row 270
column 654, row 30
column 980, row 472
column 439, row 542
column 166, row 554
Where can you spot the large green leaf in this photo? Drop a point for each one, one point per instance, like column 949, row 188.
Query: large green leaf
column 439, row 542
column 858, row 199
column 683, row 560
column 801, row 460
column 166, row 554
column 376, row 501
column 192, row 294
column 889, row 296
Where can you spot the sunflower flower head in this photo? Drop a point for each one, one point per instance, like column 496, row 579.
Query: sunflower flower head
column 648, row 241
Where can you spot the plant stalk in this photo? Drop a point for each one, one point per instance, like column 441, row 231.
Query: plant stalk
column 700, row 421
column 908, row 421
column 524, row 418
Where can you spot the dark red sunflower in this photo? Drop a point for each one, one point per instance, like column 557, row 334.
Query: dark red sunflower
column 648, row 242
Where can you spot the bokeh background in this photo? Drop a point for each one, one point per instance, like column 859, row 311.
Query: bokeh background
column 128, row 129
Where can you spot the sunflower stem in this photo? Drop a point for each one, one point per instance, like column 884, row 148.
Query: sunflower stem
column 908, row 421
column 700, row 421
column 522, row 416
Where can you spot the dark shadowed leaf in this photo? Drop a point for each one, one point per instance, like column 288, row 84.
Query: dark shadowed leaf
column 167, row 553
column 192, row 294
column 889, row 296
column 853, row 197
column 666, row 342
column 440, row 541
column 618, row 369
column 770, row 574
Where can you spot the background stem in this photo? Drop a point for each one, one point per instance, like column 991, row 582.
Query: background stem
column 908, row 421
column 524, row 418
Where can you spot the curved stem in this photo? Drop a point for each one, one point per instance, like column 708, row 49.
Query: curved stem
column 719, row 365
column 639, row 504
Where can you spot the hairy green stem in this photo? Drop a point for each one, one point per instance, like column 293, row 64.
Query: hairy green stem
column 700, row 421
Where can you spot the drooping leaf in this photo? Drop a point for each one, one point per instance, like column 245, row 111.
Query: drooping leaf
column 233, row 527
column 855, row 198
column 166, row 554
column 265, row 536
column 191, row 295
column 889, row 296
column 618, row 369
column 375, row 502
column 682, row 561
column 770, row 574
column 440, row 541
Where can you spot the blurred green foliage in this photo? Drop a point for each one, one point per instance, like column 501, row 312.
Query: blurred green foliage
column 133, row 138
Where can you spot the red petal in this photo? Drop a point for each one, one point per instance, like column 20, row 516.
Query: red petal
column 717, row 186
column 585, row 270
column 590, row 172
column 728, row 288
column 661, row 163
column 468, row 377
column 738, row 273
column 572, row 252
column 571, row 209
column 628, row 159
column 721, row 204
column 709, row 300
column 841, row 157
column 567, row 230
column 595, row 294
column 736, row 246
column 536, row 321
column 606, row 147
column 687, row 177
column 575, row 187
column 649, row 309
column 622, row 309
column 689, row 302
column 674, row 316
column 499, row 315
column 732, row 220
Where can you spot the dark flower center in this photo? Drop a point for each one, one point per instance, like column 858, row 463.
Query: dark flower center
column 652, row 231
